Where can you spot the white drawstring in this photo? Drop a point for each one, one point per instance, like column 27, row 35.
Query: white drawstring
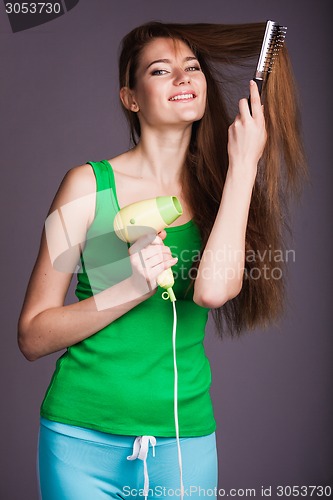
column 140, row 451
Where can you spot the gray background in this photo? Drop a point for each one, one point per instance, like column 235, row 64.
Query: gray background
column 59, row 109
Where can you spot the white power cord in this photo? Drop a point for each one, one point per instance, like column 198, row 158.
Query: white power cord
column 176, row 398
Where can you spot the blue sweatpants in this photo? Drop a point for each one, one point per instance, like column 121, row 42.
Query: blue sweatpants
column 75, row 463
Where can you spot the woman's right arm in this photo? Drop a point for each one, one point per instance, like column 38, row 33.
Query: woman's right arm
column 46, row 325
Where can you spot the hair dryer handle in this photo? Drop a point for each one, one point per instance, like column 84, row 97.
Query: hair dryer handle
column 166, row 280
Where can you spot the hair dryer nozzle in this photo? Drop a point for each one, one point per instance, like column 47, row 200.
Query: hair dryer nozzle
column 169, row 208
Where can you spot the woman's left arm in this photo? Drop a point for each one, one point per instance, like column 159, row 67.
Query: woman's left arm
column 221, row 269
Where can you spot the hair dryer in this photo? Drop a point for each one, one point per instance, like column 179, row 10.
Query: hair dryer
column 149, row 217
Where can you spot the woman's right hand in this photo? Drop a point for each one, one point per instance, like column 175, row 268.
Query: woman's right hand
column 149, row 258
column 247, row 137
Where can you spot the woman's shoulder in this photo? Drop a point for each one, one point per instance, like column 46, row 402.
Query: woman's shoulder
column 82, row 176
column 78, row 183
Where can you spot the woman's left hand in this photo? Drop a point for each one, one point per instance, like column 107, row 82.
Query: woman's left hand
column 247, row 136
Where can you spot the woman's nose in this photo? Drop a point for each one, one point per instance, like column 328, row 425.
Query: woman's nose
column 182, row 77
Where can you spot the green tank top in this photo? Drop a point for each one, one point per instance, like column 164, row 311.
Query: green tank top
column 121, row 379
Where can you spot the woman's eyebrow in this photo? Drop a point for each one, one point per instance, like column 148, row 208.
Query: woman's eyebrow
column 167, row 61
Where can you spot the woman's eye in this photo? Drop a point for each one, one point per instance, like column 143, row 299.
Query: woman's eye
column 193, row 68
column 159, row 72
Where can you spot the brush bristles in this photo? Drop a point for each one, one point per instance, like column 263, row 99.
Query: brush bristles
column 277, row 36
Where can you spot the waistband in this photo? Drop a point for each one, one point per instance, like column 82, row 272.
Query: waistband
column 102, row 437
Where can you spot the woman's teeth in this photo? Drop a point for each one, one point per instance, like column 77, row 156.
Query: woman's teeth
column 180, row 97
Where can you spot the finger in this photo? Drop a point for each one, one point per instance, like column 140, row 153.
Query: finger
column 143, row 242
column 244, row 110
column 162, row 234
column 165, row 264
column 238, row 117
column 157, row 240
column 154, row 272
column 153, row 250
column 155, row 260
column 234, row 125
column 255, row 100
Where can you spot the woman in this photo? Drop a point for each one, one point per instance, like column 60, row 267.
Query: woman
column 111, row 395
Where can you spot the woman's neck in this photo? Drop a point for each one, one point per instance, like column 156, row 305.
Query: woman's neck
column 160, row 156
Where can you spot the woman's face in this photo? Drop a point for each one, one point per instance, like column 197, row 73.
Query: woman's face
column 170, row 86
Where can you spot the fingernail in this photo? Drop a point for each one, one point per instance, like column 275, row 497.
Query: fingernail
column 252, row 82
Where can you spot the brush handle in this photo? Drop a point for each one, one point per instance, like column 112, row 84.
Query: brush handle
column 259, row 83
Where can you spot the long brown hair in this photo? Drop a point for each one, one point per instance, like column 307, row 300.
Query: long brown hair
column 281, row 169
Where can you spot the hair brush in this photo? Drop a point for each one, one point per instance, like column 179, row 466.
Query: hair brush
column 273, row 41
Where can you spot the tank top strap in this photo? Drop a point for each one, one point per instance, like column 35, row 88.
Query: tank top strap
column 106, row 199
column 104, row 175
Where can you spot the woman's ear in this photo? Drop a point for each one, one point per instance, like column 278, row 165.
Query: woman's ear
column 128, row 100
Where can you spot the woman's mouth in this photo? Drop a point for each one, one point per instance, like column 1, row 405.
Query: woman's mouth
column 182, row 97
